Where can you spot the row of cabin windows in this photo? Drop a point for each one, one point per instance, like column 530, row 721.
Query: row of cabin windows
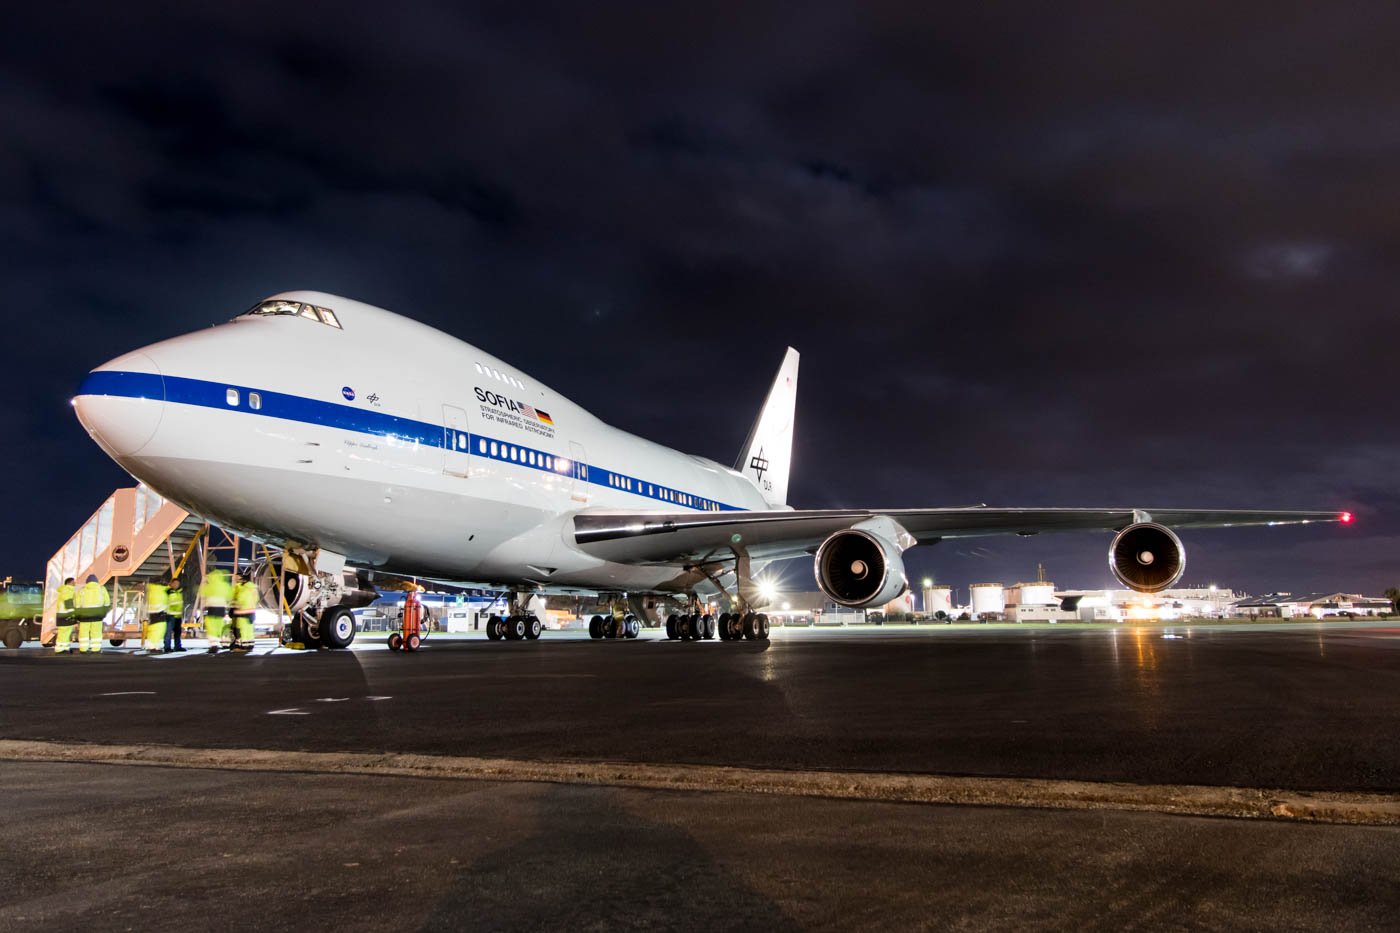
column 523, row 455
column 497, row 374
column 680, row 498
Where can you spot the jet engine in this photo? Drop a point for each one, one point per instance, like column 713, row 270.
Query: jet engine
column 858, row 569
column 1147, row 557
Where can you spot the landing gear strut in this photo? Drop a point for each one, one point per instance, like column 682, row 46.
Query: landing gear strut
column 618, row 623
column 519, row 625
column 747, row 625
column 693, row 625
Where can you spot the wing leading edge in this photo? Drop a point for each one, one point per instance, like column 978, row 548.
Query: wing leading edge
column 656, row 537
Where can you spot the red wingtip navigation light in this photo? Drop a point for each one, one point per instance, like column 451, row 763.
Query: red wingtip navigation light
column 1346, row 518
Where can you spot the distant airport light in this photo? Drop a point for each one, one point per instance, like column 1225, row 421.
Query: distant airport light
column 928, row 582
column 1346, row 518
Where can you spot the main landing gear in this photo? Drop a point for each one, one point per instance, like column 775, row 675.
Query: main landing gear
column 610, row 626
column 519, row 625
column 729, row 626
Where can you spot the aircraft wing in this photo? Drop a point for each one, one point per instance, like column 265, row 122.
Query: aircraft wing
column 661, row 537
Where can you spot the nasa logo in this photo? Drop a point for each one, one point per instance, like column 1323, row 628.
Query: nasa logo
column 120, row 554
column 349, row 393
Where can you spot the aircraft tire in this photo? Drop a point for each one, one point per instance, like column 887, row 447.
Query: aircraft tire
column 493, row 628
column 749, row 626
column 634, row 628
column 515, row 628
column 722, row 625
column 533, row 627
column 671, row 631
column 709, row 628
column 595, row 627
column 337, row 627
column 760, row 626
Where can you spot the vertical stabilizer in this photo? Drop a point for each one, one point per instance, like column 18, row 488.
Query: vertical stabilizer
column 766, row 458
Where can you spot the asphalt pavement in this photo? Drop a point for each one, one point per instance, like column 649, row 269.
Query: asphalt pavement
column 103, row 848
column 1303, row 706
column 1297, row 706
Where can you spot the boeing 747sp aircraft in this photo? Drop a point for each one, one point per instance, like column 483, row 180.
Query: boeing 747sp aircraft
column 289, row 426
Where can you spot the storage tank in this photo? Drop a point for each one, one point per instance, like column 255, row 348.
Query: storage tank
column 988, row 598
column 938, row 599
column 1039, row 593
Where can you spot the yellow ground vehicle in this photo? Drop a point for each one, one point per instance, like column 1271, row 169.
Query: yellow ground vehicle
column 21, row 612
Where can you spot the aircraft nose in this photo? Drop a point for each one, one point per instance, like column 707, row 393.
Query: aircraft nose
column 120, row 403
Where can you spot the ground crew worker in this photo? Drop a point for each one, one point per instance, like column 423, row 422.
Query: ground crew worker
column 174, row 617
column 90, row 608
column 215, row 591
column 64, row 618
column 157, row 601
column 245, row 606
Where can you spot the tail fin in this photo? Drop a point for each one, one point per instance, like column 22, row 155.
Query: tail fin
column 766, row 458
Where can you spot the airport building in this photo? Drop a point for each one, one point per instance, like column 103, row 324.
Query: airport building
column 1314, row 605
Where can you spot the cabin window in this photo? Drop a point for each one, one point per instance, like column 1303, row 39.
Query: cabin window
column 231, row 396
column 255, row 400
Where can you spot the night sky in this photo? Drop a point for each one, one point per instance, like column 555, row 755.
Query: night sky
column 1032, row 254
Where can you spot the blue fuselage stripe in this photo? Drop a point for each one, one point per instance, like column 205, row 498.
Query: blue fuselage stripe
column 215, row 395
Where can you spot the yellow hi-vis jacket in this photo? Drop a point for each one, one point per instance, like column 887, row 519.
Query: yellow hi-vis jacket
column 215, row 590
column 65, row 600
column 245, row 596
column 157, row 598
column 175, row 603
column 92, row 602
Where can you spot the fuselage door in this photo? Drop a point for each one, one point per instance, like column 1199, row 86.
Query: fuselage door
column 456, row 442
column 580, row 492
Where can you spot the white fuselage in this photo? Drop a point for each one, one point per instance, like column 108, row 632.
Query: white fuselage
column 392, row 444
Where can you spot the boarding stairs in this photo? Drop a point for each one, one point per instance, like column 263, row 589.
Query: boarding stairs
column 134, row 537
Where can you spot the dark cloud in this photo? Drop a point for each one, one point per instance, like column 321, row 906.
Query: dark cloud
column 1074, row 254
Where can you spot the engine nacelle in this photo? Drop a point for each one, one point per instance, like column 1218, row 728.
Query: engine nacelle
column 858, row 569
column 1147, row 557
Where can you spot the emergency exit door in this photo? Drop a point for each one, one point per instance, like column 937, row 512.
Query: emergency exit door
column 456, row 442
column 581, row 491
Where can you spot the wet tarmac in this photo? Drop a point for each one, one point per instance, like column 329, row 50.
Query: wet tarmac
column 1300, row 706
column 1303, row 706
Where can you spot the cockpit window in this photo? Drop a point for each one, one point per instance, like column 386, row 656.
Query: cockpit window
column 296, row 309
